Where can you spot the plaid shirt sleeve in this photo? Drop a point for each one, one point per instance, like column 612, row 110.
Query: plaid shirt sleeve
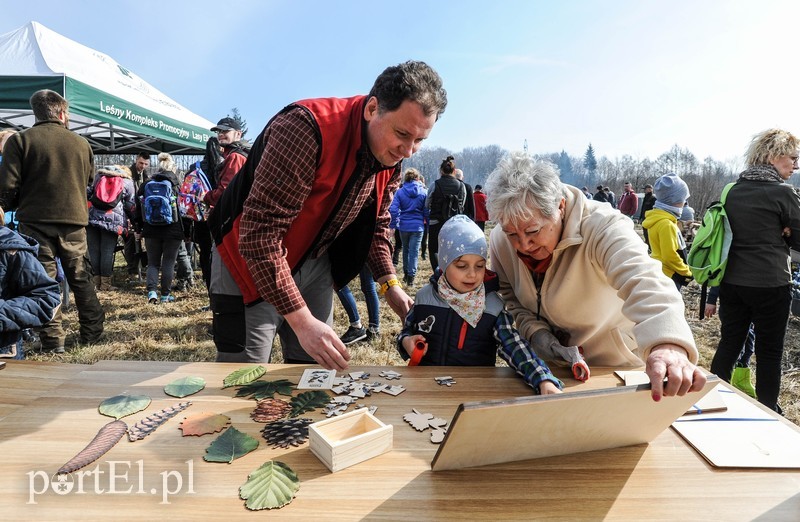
column 519, row 354
column 380, row 252
column 282, row 181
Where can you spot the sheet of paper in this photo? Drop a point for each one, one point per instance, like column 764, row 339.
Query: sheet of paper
column 744, row 436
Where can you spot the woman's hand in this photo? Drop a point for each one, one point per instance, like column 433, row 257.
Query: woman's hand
column 669, row 361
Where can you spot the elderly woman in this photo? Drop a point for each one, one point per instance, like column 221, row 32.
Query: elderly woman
column 574, row 273
column 764, row 214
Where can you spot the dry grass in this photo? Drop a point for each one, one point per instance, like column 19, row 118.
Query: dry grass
column 136, row 330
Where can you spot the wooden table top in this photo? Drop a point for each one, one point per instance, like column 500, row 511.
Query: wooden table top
column 660, row 480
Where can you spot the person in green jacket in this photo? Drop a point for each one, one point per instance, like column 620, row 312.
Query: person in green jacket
column 44, row 175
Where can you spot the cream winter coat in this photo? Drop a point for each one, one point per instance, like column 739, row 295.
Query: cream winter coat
column 601, row 288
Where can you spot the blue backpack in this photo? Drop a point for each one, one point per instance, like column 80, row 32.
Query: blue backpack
column 158, row 203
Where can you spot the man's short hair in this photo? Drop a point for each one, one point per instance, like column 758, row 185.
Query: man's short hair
column 48, row 105
column 599, row 187
column 143, row 155
column 414, row 81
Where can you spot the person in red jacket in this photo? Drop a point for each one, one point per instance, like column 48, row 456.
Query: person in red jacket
column 309, row 207
column 481, row 214
column 628, row 201
column 229, row 135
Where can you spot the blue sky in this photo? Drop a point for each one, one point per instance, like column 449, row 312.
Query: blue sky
column 631, row 77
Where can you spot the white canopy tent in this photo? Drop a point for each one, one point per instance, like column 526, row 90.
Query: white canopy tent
column 112, row 107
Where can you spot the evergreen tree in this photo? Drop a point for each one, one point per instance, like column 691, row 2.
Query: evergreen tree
column 236, row 115
column 589, row 161
column 565, row 166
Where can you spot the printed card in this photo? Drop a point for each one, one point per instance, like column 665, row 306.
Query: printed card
column 317, row 379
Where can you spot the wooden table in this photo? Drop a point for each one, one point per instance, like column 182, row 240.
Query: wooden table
column 663, row 480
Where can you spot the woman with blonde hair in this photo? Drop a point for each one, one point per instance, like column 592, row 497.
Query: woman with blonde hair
column 764, row 215
column 160, row 225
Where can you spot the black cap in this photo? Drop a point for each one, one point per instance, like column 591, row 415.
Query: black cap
column 226, row 124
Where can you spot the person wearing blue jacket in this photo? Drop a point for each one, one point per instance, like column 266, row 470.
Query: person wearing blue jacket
column 28, row 297
column 408, row 216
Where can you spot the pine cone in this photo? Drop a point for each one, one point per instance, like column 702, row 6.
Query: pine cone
column 286, row 432
column 269, row 410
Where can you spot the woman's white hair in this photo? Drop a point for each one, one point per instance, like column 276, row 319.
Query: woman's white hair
column 165, row 162
column 520, row 186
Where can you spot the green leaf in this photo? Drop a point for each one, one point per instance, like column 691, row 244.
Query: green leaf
column 123, row 405
column 230, row 446
column 272, row 485
column 265, row 389
column 308, row 401
column 244, row 376
column 185, row 386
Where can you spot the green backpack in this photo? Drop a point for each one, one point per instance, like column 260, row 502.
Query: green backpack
column 709, row 253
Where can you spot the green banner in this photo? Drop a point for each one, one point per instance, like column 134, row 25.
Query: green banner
column 16, row 91
column 94, row 103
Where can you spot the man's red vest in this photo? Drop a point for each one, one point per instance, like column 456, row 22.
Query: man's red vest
column 339, row 121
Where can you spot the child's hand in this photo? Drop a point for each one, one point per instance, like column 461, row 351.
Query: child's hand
column 410, row 342
column 548, row 388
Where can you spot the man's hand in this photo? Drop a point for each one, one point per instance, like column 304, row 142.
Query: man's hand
column 399, row 301
column 710, row 310
column 318, row 340
column 670, row 361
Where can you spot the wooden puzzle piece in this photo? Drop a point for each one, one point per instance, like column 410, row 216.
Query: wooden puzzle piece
column 445, row 380
column 395, row 390
column 437, row 435
column 418, row 421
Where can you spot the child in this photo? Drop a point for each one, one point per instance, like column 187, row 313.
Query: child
column 28, row 297
column 462, row 320
column 666, row 241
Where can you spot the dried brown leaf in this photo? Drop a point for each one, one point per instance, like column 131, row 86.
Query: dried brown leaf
column 204, row 423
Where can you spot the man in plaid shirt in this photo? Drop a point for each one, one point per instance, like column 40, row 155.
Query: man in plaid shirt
column 316, row 190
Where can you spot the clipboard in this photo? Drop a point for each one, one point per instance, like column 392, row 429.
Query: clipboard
column 508, row 430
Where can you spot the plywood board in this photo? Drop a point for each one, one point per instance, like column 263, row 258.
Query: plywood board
column 744, row 436
column 492, row 432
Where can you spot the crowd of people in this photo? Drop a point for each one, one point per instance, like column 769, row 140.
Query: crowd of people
column 319, row 198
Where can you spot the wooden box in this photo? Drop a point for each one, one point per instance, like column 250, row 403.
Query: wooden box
column 348, row 439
